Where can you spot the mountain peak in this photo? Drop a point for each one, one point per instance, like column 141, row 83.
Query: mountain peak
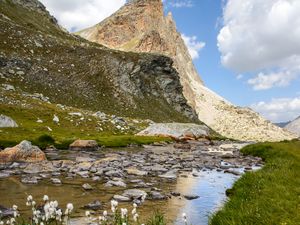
column 141, row 26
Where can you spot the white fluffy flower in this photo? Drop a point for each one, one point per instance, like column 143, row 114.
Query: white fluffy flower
column 1, row 222
column 133, row 211
column 104, row 213
column 12, row 220
column 135, row 217
column 29, row 198
column 124, row 213
column 69, row 208
column 55, row 204
column 46, row 198
column 87, row 213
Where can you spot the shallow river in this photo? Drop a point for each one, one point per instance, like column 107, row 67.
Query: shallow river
column 210, row 185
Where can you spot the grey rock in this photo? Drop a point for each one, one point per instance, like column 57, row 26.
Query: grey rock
column 6, row 212
column 29, row 180
column 114, row 173
column 176, row 194
column 112, row 183
column 43, row 167
column 96, row 178
column 95, row 205
column 158, row 168
column 11, row 71
column 234, row 172
column 191, row 196
column 8, row 87
column 87, row 187
column 20, row 73
column 4, row 174
column 121, row 198
column 225, row 165
column 6, row 121
column 135, row 194
column 176, row 130
column 83, row 174
column 169, row 175
column 155, row 195
column 56, row 181
column 136, row 172
column 81, row 159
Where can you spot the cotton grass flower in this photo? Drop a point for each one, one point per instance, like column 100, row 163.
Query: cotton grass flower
column 114, row 205
column 69, row 209
column 29, row 200
column 105, row 213
column 135, row 217
column 124, row 213
column 46, row 198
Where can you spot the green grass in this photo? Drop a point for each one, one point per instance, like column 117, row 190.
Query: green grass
column 270, row 196
column 70, row 128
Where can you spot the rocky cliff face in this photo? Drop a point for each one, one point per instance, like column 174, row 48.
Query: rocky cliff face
column 294, row 126
column 140, row 26
column 39, row 57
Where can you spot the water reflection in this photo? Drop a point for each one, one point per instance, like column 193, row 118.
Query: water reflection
column 210, row 186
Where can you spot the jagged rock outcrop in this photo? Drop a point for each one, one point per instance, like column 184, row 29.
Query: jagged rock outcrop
column 140, row 26
column 39, row 57
column 294, row 126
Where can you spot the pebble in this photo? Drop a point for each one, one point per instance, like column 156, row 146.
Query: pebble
column 56, row 181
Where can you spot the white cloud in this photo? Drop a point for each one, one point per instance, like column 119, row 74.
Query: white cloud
column 279, row 109
column 193, row 45
column 262, row 36
column 266, row 81
column 179, row 3
column 75, row 15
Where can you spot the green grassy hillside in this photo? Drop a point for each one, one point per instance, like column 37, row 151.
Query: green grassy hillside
column 38, row 57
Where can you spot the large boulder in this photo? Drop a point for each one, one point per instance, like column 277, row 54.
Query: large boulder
column 6, row 121
column 23, row 152
column 176, row 130
column 82, row 145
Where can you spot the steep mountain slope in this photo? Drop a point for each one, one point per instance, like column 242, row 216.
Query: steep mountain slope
column 140, row 26
column 294, row 126
column 37, row 56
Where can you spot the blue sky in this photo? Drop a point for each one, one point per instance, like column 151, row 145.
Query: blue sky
column 204, row 19
column 257, row 63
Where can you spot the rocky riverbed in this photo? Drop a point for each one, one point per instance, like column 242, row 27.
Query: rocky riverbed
column 163, row 175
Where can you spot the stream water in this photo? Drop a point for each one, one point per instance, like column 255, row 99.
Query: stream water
column 209, row 184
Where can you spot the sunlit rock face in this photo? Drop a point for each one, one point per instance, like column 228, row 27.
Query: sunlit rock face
column 141, row 26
